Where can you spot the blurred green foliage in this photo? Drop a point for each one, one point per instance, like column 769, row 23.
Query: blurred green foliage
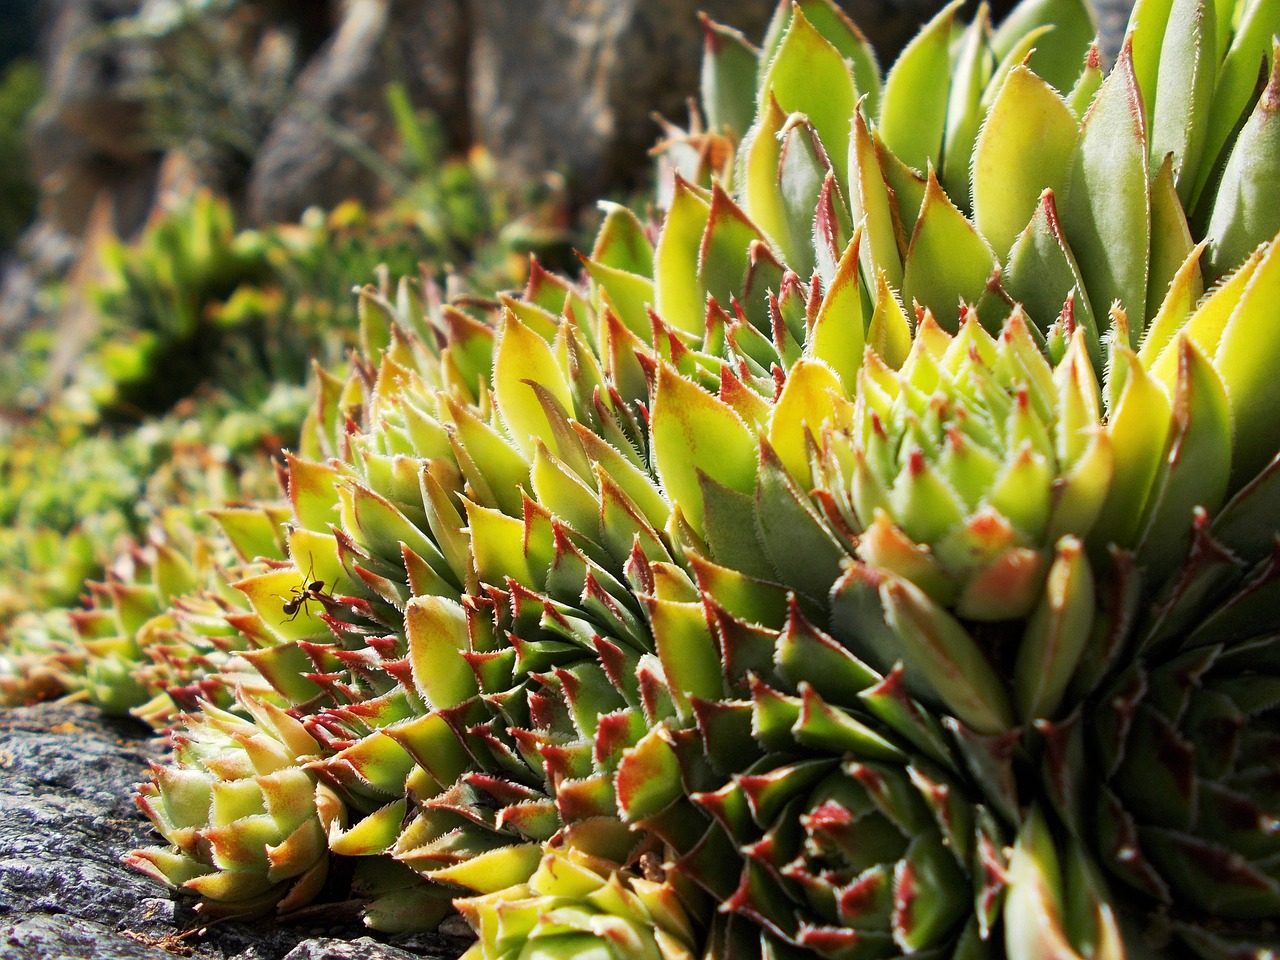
column 71, row 495
column 19, row 90
column 196, row 302
column 204, row 338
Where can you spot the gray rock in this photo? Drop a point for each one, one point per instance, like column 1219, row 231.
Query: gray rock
column 1113, row 17
column 67, row 814
column 86, row 135
column 63, row 938
column 364, row 948
column 572, row 84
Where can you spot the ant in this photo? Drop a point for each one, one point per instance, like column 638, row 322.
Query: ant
column 303, row 594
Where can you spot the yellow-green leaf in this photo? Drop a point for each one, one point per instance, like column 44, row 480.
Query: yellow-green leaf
column 680, row 298
column 1058, row 57
column 1179, row 119
column 497, row 543
column 802, row 168
column 1148, row 23
column 621, row 243
column 313, row 491
column 690, row 659
column 969, row 76
column 1246, row 206
column 1160, row 353
column 1025, row 147
column 729, row 67
column 760, row 153
column 1056, row 633
column 941, row 655
column 1237, row 84
column 437, row 632
column 724, row 256
column 523, row 357
column 871, row 206
column 913, row 111
column 1195, row 466
column 839, row 332
column 808, row 75
column 492, row 870
column 806, row 403
column 695, row 432
column 628, row 294
column 1171, row 240
column 1107, row 219
column 889, row 333
column 834, row 24
column 948, row 260
column 1042, row 273
column 1138, row 423
column 1247, row 359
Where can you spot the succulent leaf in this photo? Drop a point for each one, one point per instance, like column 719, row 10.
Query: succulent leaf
column 1027, row 112
column 1108, row 221
column 913, row 109
column 1244, row 202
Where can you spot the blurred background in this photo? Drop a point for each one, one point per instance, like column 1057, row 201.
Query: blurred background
column 110, row 108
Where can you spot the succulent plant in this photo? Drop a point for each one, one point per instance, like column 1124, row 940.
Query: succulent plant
column 240, row 811
column 890, row 628
column 826, row 807
column 75, row 500
column 245, row 313
column 1170, row 772
column 131, row 610
column 156, row 636
column 426, row 697
column 578, row 905
column 40, row 659
column 987, row 606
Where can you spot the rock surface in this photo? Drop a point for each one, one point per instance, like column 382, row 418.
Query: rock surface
column 361, row 949
column 55, row 937
column 85, row 135
column 571, row 84
column 314, row 151
column 66, row 818
column 66, row 813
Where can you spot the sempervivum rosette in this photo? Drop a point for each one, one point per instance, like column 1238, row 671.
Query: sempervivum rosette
column 154, row 634
column 502, row 639
column 467, row 661
column 825, row 810
column 41, row 659
column 239, row 812
column 1170, row 773
column 973, row 591
column 834, row 839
